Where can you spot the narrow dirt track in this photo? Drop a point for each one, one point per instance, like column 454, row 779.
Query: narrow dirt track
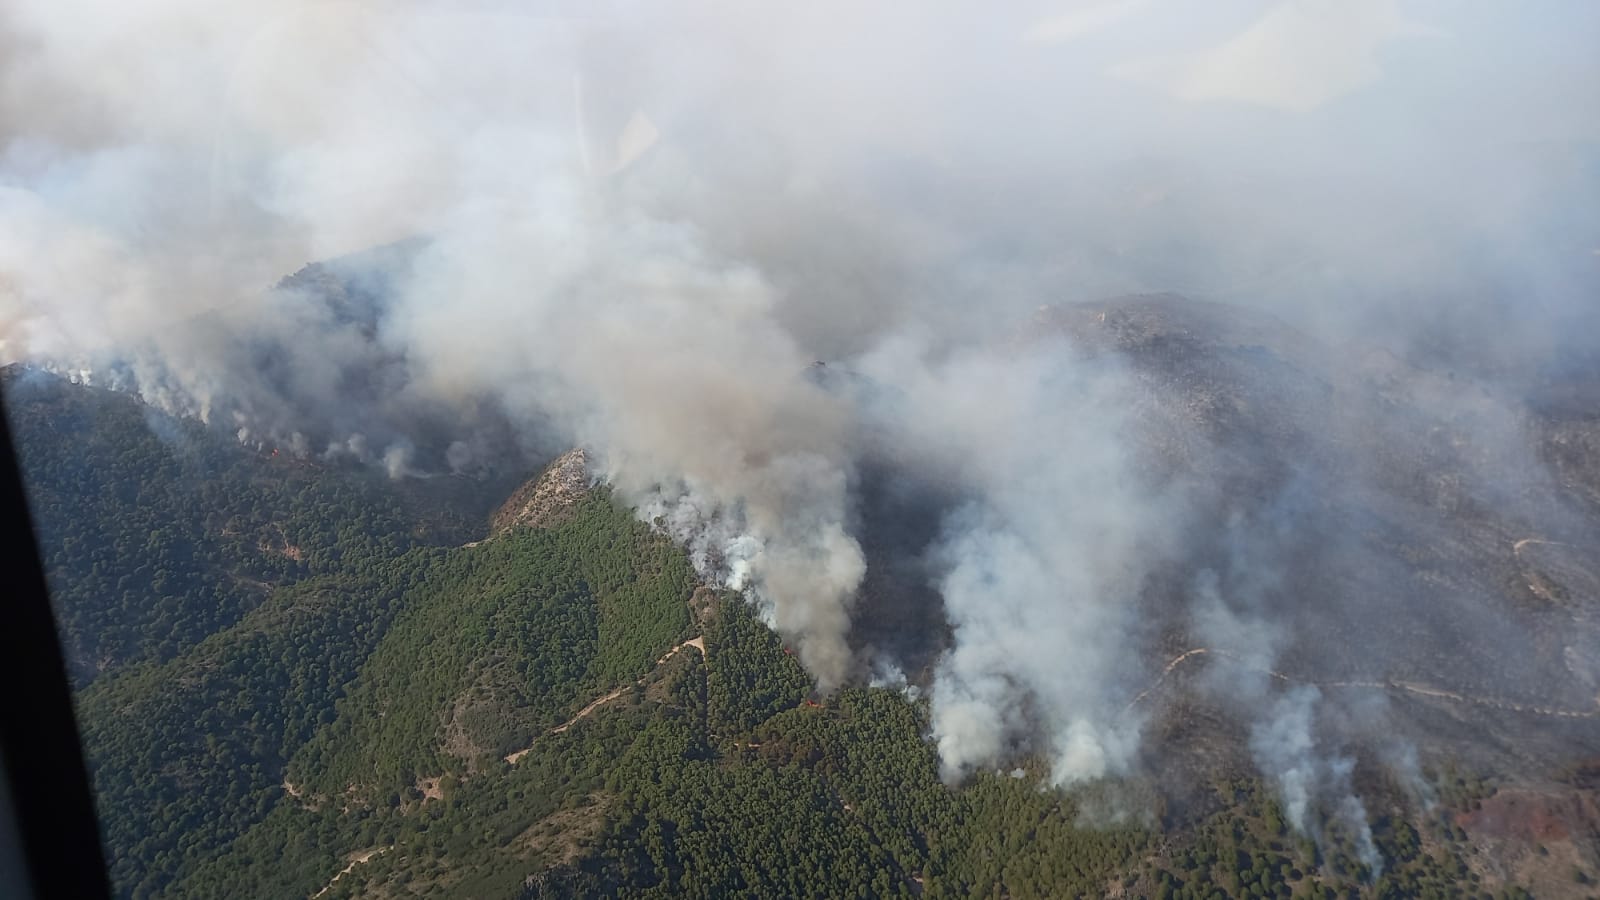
column 699, row 643
column 356, row 860
column 1401, row 686
column 1516, row 548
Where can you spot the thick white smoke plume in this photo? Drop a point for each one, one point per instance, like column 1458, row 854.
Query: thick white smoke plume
column 1043, row 560
column 1284, row 745
column 636, row 228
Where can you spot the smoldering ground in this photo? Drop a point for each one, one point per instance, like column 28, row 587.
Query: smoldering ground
column 637, row 229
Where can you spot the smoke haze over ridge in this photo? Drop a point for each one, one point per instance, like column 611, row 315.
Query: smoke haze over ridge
column 635, row 229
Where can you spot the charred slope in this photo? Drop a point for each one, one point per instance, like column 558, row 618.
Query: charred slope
column 1385, row 532
column 1417, row 544
column 320, row 373
column 1354, row 522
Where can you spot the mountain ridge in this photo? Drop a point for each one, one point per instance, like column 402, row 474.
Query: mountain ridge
column 505, row 716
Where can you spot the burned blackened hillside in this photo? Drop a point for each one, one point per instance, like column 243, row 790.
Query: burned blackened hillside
column 1417, row 547
column 322, row 377
column 1387, row 534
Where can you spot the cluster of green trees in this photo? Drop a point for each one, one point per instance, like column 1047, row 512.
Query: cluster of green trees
column 754, row 678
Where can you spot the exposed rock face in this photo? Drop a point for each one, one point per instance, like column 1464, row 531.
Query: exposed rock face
column 544, row 501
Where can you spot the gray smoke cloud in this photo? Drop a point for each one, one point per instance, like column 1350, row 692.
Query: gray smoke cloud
column 635, row 230
column 1034, row 570
column 1284, row 745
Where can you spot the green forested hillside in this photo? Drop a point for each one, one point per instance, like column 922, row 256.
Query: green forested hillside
column 158, row 532
column 186, row 754
column 499, row 643
column 391, row 716
column 434, row 663
column 658, row 795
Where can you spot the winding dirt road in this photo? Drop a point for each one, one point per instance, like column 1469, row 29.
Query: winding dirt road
column 699, row 643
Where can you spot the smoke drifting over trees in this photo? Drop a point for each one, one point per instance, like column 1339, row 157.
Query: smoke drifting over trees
column 635, row 229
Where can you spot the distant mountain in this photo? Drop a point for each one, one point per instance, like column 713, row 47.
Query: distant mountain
column 358, row 289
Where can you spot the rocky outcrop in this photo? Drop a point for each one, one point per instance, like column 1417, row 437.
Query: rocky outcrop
column 545, row 501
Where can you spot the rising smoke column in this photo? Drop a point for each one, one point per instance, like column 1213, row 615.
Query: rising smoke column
column 668, row 363
column 885, row 187
column 1044, row 561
